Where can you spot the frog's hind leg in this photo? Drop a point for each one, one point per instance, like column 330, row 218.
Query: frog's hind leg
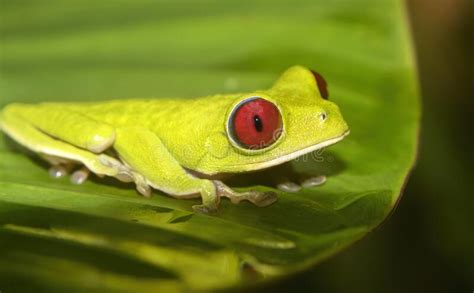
column 29, row 136
column 155, row 166
column 67, row 125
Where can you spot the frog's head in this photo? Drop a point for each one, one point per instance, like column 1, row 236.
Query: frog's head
column 292, row 118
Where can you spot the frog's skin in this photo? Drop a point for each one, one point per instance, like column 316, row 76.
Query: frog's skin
column 177, row 145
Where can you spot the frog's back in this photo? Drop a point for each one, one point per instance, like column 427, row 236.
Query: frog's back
column 128, row 112
column 155, row 114
column 180, row 123
column 119, row 113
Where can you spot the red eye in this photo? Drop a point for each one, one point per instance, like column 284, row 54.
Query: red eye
column 255, row 123
column 322, row 85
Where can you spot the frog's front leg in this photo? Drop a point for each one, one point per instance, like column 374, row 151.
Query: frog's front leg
column 146, row 155
column 144, row 152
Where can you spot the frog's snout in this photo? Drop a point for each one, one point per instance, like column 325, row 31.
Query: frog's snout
column 331, row 116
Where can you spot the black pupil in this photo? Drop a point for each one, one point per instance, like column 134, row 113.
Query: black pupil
column 257, row 122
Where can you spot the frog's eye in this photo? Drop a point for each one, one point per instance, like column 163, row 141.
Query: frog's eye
column 255, row 123
column 322, row 85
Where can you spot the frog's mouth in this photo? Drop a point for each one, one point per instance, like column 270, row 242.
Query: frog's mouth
column 285, row 158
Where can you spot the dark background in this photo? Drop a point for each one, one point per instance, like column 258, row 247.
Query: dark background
column 427, row 245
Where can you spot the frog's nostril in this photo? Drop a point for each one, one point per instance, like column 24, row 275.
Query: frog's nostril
column 323, row 116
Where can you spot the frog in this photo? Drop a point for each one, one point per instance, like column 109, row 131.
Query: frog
column 181, row 146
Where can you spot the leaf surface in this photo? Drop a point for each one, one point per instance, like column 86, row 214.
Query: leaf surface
column 102, row 236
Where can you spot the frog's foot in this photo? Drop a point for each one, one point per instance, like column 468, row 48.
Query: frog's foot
column 258, row 198
column 292, row 187
column 79, row 176
column 125, row 173
column 210, row 197
column 60, row 170
column 289, row 186
column 59, row 167
column 314, row 181
column 100, row 165
column 141, row 183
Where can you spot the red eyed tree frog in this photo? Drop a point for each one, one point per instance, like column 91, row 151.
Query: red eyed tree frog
column 178, row 145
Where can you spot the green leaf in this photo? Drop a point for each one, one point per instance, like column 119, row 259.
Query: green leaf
column 102, row 236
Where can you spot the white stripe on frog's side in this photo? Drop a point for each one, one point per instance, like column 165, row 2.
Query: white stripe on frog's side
column 274, row 162
column 294, row 155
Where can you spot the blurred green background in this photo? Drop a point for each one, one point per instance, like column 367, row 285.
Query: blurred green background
column 427, row 244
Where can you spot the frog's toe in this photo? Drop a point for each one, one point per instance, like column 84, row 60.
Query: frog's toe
column 289, row 187
column 144, row 190
column 258, row 198
column 314, row 181
column 120, row 171
column 263, row 199
column 106, row 165
column 124, row 176
column 80, row 176
column 142, row 186
column 57, row 171
column 124, row 173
